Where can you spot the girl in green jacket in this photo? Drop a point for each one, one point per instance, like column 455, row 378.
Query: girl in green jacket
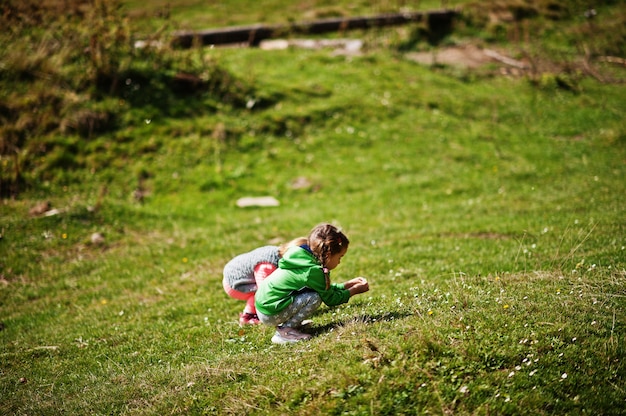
column 243, row 273
column 302, row 282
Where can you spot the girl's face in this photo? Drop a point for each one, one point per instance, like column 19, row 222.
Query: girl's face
column 335, row 259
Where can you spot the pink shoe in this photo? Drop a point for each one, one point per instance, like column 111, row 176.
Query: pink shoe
column 247, row 318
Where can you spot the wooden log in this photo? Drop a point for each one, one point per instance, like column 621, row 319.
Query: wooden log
column 438, row 20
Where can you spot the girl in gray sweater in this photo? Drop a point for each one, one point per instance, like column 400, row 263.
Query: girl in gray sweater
column 244, row 272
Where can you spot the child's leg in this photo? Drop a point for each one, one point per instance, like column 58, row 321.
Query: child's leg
column 247, row 296
column 262, row 270
column 303, row 306
column 250, row 308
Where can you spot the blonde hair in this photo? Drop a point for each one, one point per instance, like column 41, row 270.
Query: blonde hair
column 295, row 242
column 326, row 240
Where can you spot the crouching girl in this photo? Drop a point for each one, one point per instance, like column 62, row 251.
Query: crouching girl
column 293, row 292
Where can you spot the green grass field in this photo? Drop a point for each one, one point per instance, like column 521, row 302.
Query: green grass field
column 486, row 211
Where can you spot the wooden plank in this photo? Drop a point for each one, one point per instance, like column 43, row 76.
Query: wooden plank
column 253, row 35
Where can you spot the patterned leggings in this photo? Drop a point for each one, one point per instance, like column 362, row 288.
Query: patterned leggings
column 303, row 306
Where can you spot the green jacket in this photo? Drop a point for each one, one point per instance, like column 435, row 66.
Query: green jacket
column 297, row 269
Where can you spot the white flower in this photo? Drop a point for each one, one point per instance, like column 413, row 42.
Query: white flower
column 564, row 376
column 464, row 389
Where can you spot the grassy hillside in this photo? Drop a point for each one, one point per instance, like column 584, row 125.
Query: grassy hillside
column 484, row 205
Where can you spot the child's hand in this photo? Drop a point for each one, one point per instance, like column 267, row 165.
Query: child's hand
column 357, row 285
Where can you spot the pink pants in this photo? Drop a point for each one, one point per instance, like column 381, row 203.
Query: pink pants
column 261, row 271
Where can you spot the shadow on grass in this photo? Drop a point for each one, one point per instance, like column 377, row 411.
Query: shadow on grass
column 362, row 319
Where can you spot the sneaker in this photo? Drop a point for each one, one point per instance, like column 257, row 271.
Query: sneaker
column 247, row 318
column 287, row 335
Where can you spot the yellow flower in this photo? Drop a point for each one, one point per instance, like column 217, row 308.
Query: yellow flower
column 185, row 260
column 506, row 306
column 64, row 236
column 430, row 312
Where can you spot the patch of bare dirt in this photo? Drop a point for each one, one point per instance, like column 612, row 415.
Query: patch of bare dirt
column 468, row 56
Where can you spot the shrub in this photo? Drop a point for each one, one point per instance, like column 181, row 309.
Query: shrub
column 74, row 67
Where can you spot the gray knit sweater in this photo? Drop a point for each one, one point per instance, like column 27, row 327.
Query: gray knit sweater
column 239, row 272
